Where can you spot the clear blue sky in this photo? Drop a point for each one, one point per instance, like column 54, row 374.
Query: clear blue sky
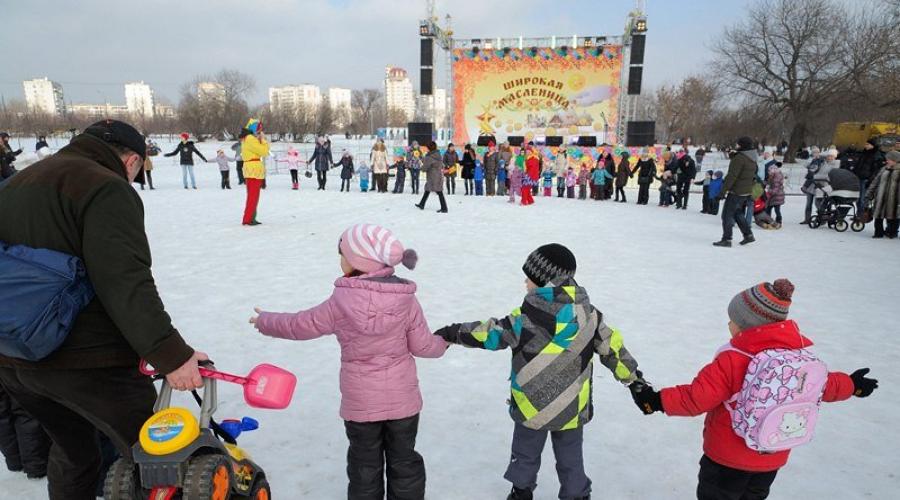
column 94, row 46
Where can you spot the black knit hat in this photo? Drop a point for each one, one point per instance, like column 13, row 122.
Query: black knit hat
column 549, row 263
column 746, row 144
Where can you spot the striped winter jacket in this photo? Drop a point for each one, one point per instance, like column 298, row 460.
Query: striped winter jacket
column 553, row 337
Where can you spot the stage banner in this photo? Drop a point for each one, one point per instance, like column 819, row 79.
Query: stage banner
column 536, row 92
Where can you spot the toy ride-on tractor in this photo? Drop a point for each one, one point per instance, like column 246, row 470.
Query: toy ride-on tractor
column 180, row 457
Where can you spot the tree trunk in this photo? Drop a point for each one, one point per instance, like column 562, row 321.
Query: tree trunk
column 798, row 135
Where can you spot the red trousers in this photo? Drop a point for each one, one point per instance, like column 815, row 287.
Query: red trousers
column 548, row 191
column 527, row 199
column 253, row 186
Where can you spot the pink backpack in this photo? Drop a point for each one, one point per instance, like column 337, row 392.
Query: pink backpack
column 778, row 404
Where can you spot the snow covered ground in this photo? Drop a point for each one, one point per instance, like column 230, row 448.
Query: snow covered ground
column 652, row 272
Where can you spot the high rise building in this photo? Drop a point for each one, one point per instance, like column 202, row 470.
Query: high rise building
column 398, row 91
column 340, row 98
column 139, row 99
column 44, row 95
column 99, row 111
column 435, row 108
column 294, row 96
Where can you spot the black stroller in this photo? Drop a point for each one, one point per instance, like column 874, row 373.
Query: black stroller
column 836, row 201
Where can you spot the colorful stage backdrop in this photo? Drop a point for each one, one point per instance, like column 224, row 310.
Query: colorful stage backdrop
column 533, row 93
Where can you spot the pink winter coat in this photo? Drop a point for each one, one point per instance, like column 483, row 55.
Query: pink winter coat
column 380, row 326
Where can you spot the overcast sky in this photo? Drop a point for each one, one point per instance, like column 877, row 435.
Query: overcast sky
column 93, row 47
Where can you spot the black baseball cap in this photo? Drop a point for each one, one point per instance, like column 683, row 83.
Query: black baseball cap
column 120, row 133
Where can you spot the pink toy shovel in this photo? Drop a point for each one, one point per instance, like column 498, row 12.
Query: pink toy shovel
column 266, row 386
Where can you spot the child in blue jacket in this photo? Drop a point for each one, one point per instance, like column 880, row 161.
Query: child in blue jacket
column 715, row 188
column 479, row 178
column 598, row 179
column 547, row 176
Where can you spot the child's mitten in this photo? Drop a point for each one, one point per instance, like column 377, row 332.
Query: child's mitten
column 645, row 397
column 862, row 386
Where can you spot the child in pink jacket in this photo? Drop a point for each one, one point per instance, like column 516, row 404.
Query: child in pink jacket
column 380, row 327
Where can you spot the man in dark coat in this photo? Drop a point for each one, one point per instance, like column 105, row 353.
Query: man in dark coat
column 736, row 189
column 41, row 143
column 491, row 166
column 80, row 202
column 685, row 173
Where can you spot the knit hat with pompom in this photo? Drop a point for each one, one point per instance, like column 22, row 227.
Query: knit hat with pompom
column 762, row 304
column 369, row 248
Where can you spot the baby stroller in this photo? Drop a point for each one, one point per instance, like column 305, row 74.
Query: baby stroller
column 836, row 201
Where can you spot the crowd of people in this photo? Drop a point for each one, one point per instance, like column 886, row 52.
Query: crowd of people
column 53, row 419
column 754, row 185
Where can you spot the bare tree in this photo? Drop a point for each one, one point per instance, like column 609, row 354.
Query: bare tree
column 215, row 105
column 324, row 118
column 795, row 57
column 367, row 110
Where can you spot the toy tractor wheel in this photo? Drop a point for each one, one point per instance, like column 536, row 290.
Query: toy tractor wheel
column 121, row 481
column 261, row 490
column 208, row 477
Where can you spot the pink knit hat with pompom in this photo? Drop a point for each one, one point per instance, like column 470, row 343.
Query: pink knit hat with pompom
column 370, row 247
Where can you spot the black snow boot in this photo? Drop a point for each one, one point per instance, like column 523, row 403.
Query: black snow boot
column 723, row 243
column 748, row 240
column 520, row 494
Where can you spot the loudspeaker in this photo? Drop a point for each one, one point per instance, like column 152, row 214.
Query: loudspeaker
column 426, row 51
column 515, row 140
column 637, row 49
column 640, row 134
column 425, row 81
column 635, row 75
column 483, row 140
column 588, row 141
column 421, row 132
column 554, row 140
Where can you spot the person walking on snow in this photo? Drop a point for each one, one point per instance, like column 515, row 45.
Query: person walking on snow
column 433, row 165
column 186, row 151
column 736, row 190
column 254, row 148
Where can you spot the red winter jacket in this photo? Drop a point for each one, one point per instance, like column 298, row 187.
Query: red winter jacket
column 718, row 381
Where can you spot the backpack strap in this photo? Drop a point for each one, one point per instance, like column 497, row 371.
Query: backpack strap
column 728, row 347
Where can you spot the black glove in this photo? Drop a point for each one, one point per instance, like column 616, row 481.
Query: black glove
column 447, row 333
column 862, row 386
column 645, row 397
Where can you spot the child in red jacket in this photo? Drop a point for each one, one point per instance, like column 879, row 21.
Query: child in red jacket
column 730, row 469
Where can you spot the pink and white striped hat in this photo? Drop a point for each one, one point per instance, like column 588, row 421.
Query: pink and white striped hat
column 370, row 247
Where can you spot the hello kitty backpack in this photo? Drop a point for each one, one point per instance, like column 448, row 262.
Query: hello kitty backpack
column 778, row 404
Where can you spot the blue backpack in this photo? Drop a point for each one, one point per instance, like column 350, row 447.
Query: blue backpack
column 41, row 293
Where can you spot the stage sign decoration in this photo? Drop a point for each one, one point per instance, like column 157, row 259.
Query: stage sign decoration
column 536, row 92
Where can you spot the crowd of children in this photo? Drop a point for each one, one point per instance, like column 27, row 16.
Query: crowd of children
column 760, row 395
